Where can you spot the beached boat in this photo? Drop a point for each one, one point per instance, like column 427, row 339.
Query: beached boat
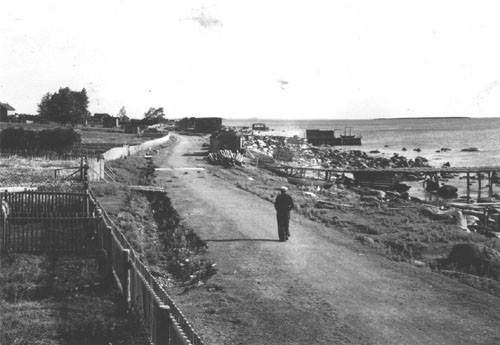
column 260, row 127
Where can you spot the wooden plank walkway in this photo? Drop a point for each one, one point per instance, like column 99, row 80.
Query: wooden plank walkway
column 393, row 170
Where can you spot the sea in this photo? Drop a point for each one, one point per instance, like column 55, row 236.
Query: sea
column 423, row 137
column 419, row 136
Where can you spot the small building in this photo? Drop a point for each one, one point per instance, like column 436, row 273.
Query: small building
column 110, row 122
column 200, row 124
column 318, row 137
column 4, row 111
column 226, row 140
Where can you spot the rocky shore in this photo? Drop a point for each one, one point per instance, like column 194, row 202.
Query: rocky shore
column 296, row 151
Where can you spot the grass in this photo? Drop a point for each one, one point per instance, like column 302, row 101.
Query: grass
column 54, row 300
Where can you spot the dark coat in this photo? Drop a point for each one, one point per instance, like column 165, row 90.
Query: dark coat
column 283, row 203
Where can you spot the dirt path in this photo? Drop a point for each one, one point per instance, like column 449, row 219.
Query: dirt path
column 317, row 288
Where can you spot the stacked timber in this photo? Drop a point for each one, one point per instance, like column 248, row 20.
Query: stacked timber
column 225, row 158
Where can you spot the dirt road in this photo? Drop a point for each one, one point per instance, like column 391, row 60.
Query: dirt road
column 319, row 287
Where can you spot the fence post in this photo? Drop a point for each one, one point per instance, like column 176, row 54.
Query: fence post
column 126, row 276
column 163, row 325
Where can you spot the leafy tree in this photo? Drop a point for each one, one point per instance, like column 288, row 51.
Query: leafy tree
column 65, row 106
column 122, row 114
column 154, row 115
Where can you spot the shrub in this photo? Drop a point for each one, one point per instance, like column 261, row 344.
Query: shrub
column 58, row 139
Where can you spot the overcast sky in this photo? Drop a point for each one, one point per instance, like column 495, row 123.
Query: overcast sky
column 274, row 59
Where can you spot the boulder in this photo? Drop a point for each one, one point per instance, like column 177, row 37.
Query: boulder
column 447, row 191
column 475, row 258
column 470, row 149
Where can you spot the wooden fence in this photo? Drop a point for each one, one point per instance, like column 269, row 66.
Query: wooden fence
column 50, row 155
column 49, row 204
column 163, row 320
column 43, row 222
column 71, row 235
column 40, row 222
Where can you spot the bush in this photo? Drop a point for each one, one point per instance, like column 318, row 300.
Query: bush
column 58, row 139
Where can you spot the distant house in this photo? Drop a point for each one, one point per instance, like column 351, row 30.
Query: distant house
column 226, row 140
column 200, row 124
column 105, row 120
column 110, row 122
column 4, row 111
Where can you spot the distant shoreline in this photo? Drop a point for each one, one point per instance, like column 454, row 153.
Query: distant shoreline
column 357, row 119
column 423, row 118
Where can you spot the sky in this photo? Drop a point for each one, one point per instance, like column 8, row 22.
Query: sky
column 268, row 59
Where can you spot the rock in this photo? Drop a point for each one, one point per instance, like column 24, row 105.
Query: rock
column 475, row 258
column 417, row 149
column 412, row 177
column 418, row 263
column 310, row 194
column 447, row 191
column 421, row 161
column 445, row 149
column 403, row 149
column 470, row 149
column 401, row 187
column 367, row 240
column 374, row 151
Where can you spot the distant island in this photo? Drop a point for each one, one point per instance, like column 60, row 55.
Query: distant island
column 422, row 118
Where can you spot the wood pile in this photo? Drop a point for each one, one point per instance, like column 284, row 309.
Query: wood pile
column 225, row 158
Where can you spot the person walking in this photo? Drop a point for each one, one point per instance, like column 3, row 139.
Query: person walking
column 283, row 206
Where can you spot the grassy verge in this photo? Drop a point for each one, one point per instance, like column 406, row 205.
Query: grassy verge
column 151, row 224
column 55, row 300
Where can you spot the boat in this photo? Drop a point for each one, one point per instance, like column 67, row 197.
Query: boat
column 319, row 137
column 260, row 127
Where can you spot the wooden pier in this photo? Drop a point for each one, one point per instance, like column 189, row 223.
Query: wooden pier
column 385, row 174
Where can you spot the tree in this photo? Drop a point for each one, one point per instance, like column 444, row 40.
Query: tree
column 122, row 115
column 154, row 115
column 64, row 106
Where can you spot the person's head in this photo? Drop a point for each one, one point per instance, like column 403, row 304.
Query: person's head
column 283, row 189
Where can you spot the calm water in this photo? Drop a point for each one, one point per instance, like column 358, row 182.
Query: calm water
column 427, row 134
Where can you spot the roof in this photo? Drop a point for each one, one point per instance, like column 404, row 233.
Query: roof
column 7, row 106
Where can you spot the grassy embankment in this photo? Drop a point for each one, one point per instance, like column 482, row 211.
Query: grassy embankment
column 395, row 228
column 173, row 252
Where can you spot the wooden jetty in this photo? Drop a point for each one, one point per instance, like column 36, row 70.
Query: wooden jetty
column 328, row 174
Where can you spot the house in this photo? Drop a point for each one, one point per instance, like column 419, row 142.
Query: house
column 110, row 122
column 200, row 124
column 226, row 140
column 4, row 111
column 319, row 137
